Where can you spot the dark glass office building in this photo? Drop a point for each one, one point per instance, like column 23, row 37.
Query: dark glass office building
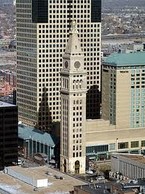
column 8, row 134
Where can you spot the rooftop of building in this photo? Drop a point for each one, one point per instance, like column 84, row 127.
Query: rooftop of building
column 129, row 186
column 26, row 132
column 55, row 185
column 125, row 59
column 100, row 188
column 135, row 157
column 5, row 104
column 106, row 187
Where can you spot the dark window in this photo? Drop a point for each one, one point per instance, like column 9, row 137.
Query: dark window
column 95, row 10
column 134, row 144
column 95, row 149
column 40, row 11
column 123, row 145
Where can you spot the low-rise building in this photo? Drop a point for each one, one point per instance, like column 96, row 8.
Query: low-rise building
column 133, row 187
column 32, row 141
column 100, row 188
column 129, row 165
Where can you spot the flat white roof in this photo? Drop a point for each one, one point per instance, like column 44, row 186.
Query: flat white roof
column 29, row 172
column 43, row 172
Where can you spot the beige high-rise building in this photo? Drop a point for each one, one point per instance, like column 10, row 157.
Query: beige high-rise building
column 73, row 106
column 42, row 34
column 122, row 127
column 123, row 90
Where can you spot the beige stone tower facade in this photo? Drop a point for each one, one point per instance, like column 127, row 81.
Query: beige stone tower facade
column 73, row 107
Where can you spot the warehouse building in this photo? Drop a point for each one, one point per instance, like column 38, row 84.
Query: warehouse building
column 129, row 165
column 32, row 141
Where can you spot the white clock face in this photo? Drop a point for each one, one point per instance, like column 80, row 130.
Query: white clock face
column 66, row 64
column 77, row 64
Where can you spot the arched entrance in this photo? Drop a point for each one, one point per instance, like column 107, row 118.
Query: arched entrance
column 64, row 165
column 77, row 167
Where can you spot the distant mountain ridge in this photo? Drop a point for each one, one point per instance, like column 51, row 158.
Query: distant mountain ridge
column 122, row 3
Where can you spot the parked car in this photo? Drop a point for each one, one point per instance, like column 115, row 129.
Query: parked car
column 19, row 162
column 40, row 158
column 89, row 172
column 100, row 178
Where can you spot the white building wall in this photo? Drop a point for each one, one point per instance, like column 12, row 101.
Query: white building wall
column 31, row 180
column 128, row 167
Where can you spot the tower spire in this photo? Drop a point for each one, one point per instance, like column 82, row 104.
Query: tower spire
column 73, row 45
column 73, row 27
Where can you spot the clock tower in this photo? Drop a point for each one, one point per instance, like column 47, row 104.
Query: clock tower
column 73, row 106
